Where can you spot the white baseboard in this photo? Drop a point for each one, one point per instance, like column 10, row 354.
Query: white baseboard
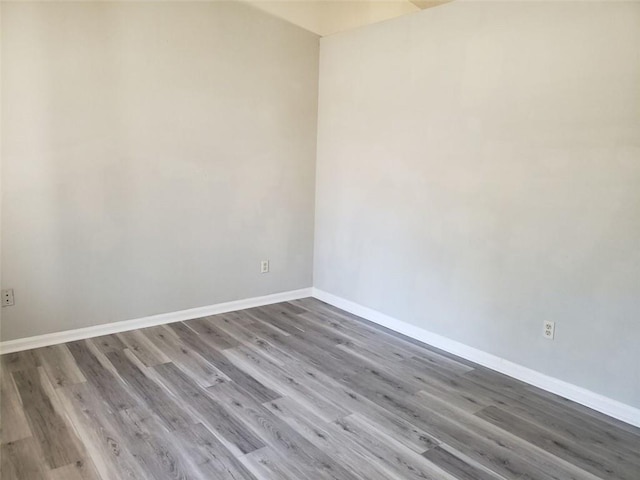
column 580, row 395
column 38, row 341
column 593, row 400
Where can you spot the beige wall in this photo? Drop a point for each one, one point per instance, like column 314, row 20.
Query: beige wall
column 326, row 17
column 479, row 172
column 153, row 154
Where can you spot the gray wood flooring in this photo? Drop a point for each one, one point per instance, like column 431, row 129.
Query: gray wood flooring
column 297, row 390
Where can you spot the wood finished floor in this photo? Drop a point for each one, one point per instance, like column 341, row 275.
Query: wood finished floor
column 292, row 391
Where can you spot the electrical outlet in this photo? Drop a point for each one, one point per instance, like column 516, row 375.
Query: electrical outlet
column 7, row 297
column 549, row 330
column 264, row 266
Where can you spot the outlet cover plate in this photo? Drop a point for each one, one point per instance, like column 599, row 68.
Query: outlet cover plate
column 549, row 330
column 7, row 297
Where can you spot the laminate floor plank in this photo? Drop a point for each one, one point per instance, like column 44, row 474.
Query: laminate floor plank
column 457, row 467
column 149, row 393
column 338, row 364
column 82, row 470
column 441, row 363
column 266, row 464
column 108, row 343
column 367, row 350
column 102, row 377
column 60, row 366
column 238, row 317
column 395, row 340
column 180, row 354
column 357, row 459
column 591, row 416
column 483, row 387
column 298, row 390
column 574, row 431
column 341, row 395
column 247, row 335
column 12, row 418
column 464, row 389
column 221, row 362
column 212, row 458
column 492, row 451
column 49, row 427
column 406, row 463
column 531, row 458
column 238, row 437
column 364, row 337
column 155, row 448
column 615, row 466
column 143, row 348
column 14, row 362
column 283, row 321
column 211, row 335
column 280, row 436
column 22, row 460
column 105, row 443
column 282, row 381
column 446, row 385
column 627, row 439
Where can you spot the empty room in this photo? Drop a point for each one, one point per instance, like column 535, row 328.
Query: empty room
column 320, row 240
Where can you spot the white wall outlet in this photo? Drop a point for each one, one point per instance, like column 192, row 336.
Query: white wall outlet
column 264, row 266
column 549, row 330
column 7, row 297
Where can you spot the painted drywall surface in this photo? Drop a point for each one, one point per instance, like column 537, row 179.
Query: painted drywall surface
column 153, row 154
column 479, row 172
column 326, row 17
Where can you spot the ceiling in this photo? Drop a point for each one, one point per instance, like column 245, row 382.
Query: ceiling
column 325, row 17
